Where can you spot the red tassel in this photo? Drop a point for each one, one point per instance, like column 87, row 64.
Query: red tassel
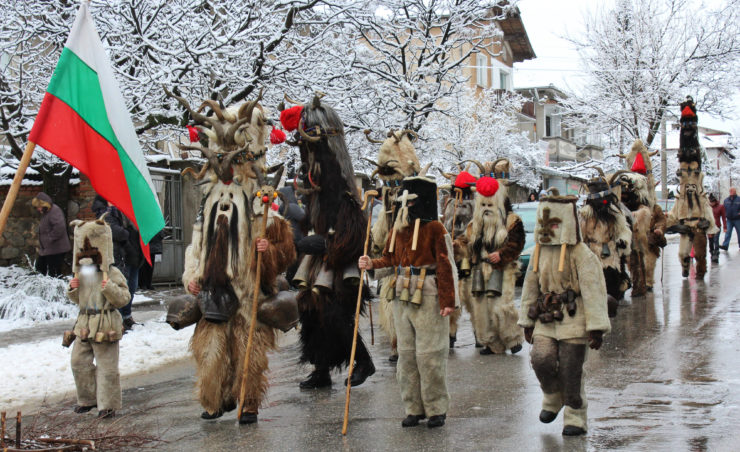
column 464, row 180
column 486, row 186
column 639, row 165
column 193, row 132
column 277, row 136
column 291, row 117
column 687, row 112
column 604, row 202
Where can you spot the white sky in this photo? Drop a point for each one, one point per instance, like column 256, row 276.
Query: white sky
column 557, row 63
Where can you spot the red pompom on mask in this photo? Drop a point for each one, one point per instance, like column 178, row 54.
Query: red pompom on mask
column 639, row 165
column 464, row 180
column 291, row 117
column 277, row 136
column 687, row 112
column 193, row 132
column 486, row 186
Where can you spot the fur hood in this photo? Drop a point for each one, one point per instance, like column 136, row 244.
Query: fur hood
column 94, row 240
column 557, row 221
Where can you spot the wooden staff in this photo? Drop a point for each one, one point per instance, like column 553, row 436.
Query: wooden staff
column 372, row 329
column 16, row 185
column 2, row 429
column 415, row 238
column 561, row 264
column 255, row 298
column 368, row 194
column 536, row 257
column 18, row 430
column 458, row 200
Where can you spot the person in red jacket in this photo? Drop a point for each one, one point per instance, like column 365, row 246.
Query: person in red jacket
column 719, row 212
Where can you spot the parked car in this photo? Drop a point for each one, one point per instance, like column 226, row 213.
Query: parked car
column 528, row 213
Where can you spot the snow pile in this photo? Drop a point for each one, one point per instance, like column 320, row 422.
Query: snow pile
column 33, row 371
column 27, row 297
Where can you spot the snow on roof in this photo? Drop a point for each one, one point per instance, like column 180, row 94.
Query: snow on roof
column 706, row 141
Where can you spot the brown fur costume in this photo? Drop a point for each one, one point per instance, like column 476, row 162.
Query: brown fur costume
column 636, row 196
column 222, row 258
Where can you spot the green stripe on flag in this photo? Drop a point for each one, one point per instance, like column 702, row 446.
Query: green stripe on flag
column 76, row 84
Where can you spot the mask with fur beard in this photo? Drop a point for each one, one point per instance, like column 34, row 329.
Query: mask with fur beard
column 489, row 221
column 601, row 208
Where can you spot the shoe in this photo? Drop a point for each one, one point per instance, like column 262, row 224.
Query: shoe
column 393, row 358
column 516, row 349
column 106, row 414
column 317, row 379
column 412, row 420
column 487, row 351
column 478, row 344
column 128, row 324
column 437, row 421
column 547, row 416
column 248, row 418
column 650, row 289
column 361, row 373
column 570, row 430
column 722, row 247
column 228, row 406
column 215, row 415
column 685, row 273
column 79, row 409
column 453, row 339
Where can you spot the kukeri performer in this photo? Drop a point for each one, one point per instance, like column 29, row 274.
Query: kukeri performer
column 220, row 262
column 328, row 273
column 99, row 288
column 691, row 215
column 494, row 239
column 563, row 310
column 396, row 159
column 635, row 195
column 457, row 211
column 422, row 250
column 607, row 233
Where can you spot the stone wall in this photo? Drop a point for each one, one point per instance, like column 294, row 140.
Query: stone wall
column 20, row 238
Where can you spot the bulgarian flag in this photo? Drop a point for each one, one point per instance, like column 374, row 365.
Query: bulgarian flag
column 83, row 120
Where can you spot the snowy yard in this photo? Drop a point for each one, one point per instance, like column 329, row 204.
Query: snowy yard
column 39, row 368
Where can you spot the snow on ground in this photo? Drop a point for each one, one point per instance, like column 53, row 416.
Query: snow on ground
column 37, row 370
column 141, row 298
column 27, row 298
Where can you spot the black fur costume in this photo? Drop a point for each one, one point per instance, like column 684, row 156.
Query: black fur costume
column 333, row 212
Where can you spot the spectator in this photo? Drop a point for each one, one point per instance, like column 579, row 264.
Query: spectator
column 719, row 212
column 292, row 211
column 532, row 197
column 732, row 211
column 146, row 271
column 127, row 253
column 53, row 236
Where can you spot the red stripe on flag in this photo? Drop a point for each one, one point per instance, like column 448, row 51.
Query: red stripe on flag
column 145, row 251
column 61, row 131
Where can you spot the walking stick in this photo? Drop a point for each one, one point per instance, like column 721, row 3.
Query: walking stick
column 16, row 185
column 372, row 329
column 458, row 200
column 253, row 320
column 368, row 194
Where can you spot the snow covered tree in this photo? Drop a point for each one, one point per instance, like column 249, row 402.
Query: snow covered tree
column 482, row 126
column 642, row 57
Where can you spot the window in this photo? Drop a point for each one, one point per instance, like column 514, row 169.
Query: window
column 481, row 69
column 503, row 79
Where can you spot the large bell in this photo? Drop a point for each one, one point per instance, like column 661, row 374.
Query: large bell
column 495, row 284
column 465, row 267
column 605, row 250
column 84, row 334
column 324, row 280
column 300, row 278
column 477, row 283
column 68, row 338
column 351, row 275
column 218, row 304
column 183, row 311
column 279, row 311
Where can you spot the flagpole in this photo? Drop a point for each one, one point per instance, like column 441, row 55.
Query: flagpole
column 16, row 185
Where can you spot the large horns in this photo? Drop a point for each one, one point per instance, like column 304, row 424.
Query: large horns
column 616, row 175
column 449, row 176
column 246, row 110
column 480, row 166
column 367, row 135
column 201, row 118
column 399, row 136
column 306, row 136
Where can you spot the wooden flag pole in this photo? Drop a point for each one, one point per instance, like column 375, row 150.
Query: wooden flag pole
column 253, row 317
column 16, row 185
column 368, row 202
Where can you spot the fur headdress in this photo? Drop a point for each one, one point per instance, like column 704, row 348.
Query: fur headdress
column 397, row 157
column 425, row 203
column 93, row 240
column 689, row 149
column 557, row 220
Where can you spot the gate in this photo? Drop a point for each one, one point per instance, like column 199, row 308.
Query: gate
column 168, row 185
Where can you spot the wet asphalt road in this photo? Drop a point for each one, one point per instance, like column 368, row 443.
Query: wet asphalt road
column 667, row 378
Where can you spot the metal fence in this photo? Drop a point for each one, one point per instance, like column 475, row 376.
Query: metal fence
column 168, row 184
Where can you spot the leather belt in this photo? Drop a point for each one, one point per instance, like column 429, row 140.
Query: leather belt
column 89, row 311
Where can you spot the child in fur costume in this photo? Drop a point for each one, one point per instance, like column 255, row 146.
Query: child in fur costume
column 396, row 160
column 99, row 289
column 422, row 248
column 563, row 310
column 328, row 272
column 221, row 260
column 606, row 232
column 494, row 239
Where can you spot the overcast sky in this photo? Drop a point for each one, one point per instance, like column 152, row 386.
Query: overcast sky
column 557, row 62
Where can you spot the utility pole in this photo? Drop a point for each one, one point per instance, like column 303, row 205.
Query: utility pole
column 663, row 160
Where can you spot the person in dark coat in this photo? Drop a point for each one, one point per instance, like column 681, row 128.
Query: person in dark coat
column 293, row 212
column 146, row 271
column 732, row 210
column 719, row 214
column 127, row 253
column 53, row 237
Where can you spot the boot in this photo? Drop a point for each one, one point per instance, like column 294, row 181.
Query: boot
column 361, row 372
column 547, row 416
column 79, row 409
column 437, row 421
column 393, row 358
column 215, row 415
column 412, row 420
column 516, row 349
column 453, row 339
column 106, row 414
column 319, row 378
column 248, row 418
column 570, row 430
column 487, row 351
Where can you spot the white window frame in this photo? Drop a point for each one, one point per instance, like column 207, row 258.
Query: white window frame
column 481, row 70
